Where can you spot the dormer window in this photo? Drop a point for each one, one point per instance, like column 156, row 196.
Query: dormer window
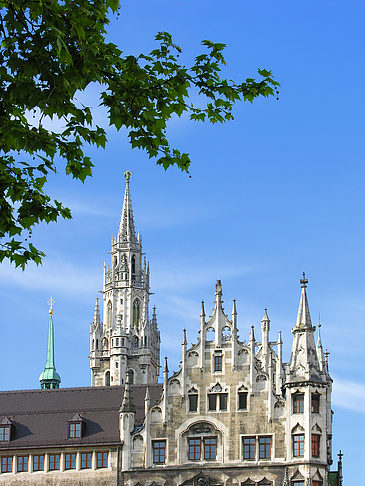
column 5, row 430
column 4, row 433
column 75, row 427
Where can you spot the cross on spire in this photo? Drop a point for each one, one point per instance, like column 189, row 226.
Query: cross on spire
column 304, row 281
column 51, row 303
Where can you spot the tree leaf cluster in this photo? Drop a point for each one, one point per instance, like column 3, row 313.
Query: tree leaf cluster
column 53, row 49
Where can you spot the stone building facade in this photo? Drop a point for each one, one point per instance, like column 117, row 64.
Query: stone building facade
column 233, row 414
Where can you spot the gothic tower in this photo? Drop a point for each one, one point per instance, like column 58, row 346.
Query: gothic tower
column 127, row 341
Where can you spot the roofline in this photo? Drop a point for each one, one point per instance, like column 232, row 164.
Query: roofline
column 84, row 388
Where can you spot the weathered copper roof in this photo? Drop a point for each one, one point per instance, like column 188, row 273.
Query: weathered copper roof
column 40, row 417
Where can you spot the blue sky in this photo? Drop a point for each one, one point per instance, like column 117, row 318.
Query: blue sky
column 278, row 191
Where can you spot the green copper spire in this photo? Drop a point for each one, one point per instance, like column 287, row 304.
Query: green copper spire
column 50, row 378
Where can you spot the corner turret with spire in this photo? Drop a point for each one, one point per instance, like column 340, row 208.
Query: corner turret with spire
column 127, row 339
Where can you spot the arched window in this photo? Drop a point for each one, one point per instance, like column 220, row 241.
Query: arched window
column 115, row 261
column 107, row 378
column 93, row 345
column 109, row 314
column 210, row 335
column 134, row 342
column 97, row 344
column 105, row 343
column 133, row 264
column 131, row 376
column 136, row 312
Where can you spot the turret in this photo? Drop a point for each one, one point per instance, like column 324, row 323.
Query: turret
column 50, row 379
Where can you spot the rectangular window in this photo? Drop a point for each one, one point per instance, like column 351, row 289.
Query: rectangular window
column 74, row 430
column 194, row 449
column 242, row 400
column 22, row 463
column 298, row 403
column 315, row 445
column 315, row 402
column 6, row 464
column 264, row 447
column 212, row 401
column 159, row 451
column 4, row 433
column 298, row 483
column 218, row 362
column 38, row 463
column 249, row 448
column 54, row 462
column 193, row 403
column 86, row 460
column 210, row 448
column 102, row 460
column 70, row 461
column 298, row 445
column 316, row 483
column 223, row 399
column 117, row 341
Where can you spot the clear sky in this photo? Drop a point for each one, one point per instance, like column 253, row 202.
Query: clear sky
column 278, row 191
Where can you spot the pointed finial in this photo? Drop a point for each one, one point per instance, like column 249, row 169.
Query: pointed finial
column 165, row 369
column 280, row 341
column 304, row 281
column 184, row 341
column 319, row 342
column 127, row 176
column 234, row 310
column 252, row 334
column 127, row 403
column 202, row 311
column 218, row 288
column 266, row 317
column 51, row 303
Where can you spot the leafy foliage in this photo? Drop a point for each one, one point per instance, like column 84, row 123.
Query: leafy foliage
column 50, row 50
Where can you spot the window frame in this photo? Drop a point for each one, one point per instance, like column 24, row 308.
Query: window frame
column 20, row 460
column 86, row 466
column 38, row 458
column 70, row 461
column 251, row 457
column 298, row 445
column 316, row 445
column 195, row 448
column 159, row 445
column 218, row 363
column 298, row 403
column 4, row 433
column 210, row 446
column 73, row 425
column 239, row 395
column 56, row 462
column 196, row 397
column 104, row 461
column 6, row 464
column 315, row 402
column 266, row 445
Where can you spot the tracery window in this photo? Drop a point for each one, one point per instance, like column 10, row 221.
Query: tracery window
column 136, row 312
column 109, row 314
column 217, row 399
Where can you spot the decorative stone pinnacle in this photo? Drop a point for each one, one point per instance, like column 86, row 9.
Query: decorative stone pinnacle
column 127, row 176
column 304, row 281
column 51, row 304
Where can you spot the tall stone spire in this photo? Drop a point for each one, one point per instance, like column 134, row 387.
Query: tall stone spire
column 50, row 378
column 97, row 312
column 303, row 317
column 304, row 363
column 127, row 232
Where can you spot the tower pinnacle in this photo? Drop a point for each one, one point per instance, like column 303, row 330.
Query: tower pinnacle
column 50, row 378
column 127, row 232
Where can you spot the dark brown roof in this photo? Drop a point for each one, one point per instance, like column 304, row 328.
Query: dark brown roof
column 40, row 417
